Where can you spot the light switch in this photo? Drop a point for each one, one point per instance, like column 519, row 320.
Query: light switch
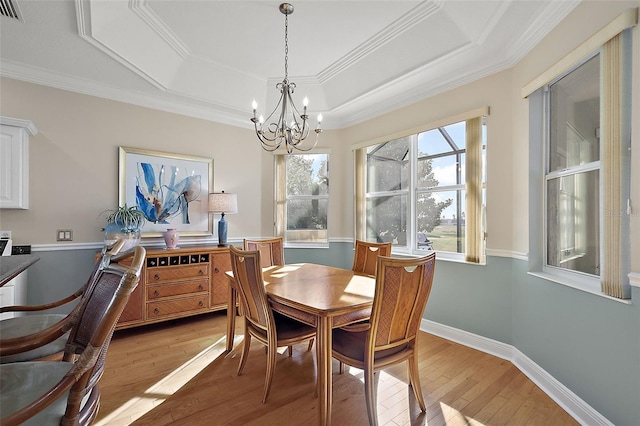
column 64, row 235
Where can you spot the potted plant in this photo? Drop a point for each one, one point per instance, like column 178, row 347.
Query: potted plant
column 124, row 222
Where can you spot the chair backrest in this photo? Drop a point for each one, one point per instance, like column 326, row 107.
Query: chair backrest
column 116, row 278
column 35, row 342
column 366, row 256
column 271, row 250
column 247, row 272
column 402, row 290
column 114, row 270
column 106, row 250
column 103, row 259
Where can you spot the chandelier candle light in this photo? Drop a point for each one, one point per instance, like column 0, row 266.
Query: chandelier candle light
column 223, row 203
column 290, row 127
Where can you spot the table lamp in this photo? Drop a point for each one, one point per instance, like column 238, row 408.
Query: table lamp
column 223, row 203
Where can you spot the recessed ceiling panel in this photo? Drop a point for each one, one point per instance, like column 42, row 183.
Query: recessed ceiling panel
column 249, row 35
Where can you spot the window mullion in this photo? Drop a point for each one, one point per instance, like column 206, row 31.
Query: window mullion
column 412, row 226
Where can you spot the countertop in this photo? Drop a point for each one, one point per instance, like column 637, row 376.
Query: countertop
column 11, row 266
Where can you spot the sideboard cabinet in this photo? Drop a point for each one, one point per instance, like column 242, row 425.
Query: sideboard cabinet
column 178, row 283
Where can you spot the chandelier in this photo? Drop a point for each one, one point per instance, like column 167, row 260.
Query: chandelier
column 285, row 124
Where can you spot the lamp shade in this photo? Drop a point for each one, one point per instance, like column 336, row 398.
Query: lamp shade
column 221, row 202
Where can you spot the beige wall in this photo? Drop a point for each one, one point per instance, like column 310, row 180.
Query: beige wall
column 74, row 157
column 74, row 162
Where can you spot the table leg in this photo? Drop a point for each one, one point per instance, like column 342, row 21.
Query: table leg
column 231, row 316
column 324, row 369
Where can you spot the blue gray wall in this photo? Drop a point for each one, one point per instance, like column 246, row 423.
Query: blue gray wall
column 586, row 342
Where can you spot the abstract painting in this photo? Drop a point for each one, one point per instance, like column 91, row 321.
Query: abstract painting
column 171, row 190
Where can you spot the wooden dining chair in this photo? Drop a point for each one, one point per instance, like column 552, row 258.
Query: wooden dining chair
column 260, row 322
column 366, row 255
column 402, row 290
column 271, row 250
column 66, row 392
column 34, row 336
column 271, row 254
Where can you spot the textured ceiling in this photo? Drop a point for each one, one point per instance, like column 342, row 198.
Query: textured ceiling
column 209, row 59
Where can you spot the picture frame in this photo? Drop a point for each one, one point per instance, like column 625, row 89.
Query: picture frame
column 171, row 189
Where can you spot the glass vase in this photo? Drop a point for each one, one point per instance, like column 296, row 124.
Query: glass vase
column 114, row 232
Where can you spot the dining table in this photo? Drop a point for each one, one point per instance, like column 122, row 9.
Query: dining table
column 322, row 296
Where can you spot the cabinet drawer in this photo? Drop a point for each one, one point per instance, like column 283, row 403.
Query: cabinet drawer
column 160, row 274
column 177, row 306
column 168, row 290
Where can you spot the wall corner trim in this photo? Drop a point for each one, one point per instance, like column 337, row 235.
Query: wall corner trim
column 563, row 396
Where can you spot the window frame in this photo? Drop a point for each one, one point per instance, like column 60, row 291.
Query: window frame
column 590, row 281
column 280, row 222
column 413, row 192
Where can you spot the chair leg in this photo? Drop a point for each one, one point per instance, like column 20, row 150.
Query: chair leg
column 245, row 351
column 370, row 396
column 271, row 366
column 414, row 381
column 341, row 368
column 310, row 345
column 317, row 375
column 290, row 351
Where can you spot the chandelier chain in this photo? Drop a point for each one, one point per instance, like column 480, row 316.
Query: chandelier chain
column 286, row 46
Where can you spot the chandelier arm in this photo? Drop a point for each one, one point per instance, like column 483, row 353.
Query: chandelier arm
column 299, row 148
column 272, row 127
column 267, row 144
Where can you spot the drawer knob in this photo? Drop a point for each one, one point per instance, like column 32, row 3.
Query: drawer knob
column 200, row 287
column 156, row 293
column 201, row 272
column 200, row 303
column 156, row 311
column 156, row 277
column 216, row 270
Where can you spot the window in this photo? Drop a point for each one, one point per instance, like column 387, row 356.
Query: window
column 302, row 197
column 579, row 149
column 573, row 170
column 417, row 191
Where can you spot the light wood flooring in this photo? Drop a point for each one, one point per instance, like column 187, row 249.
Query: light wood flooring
column 176, row 373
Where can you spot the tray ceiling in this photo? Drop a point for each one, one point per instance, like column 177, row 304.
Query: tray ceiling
column 354, row 59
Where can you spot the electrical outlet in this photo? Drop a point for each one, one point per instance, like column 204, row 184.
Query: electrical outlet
column 15, row 250
column 64, row 235
column 5, row 235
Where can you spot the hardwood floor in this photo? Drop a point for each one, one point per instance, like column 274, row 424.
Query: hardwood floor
column 175, row 373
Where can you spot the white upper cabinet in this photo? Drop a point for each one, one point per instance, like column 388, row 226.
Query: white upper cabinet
column 14, row 162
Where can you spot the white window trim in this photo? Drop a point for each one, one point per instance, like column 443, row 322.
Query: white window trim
column 413, row 190
column 589, row 285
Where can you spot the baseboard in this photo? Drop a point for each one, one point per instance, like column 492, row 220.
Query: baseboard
column 582, row 412
column 507, row 253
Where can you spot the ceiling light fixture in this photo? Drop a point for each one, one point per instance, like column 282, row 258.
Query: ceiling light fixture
column 289, row 127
